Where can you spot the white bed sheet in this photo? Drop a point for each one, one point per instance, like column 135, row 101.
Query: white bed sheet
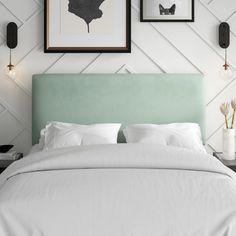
column 35, row 148
column 125, row 189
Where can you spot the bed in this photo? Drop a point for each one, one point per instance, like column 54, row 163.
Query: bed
column 132, row 189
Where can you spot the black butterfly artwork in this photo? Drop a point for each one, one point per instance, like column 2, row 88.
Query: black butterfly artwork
column 88, row 10
column 167, row 11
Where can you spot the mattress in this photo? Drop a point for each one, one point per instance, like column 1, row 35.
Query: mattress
column 122, row 189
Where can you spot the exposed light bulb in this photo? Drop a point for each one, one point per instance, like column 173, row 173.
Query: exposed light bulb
column 226, row 71
column 11, row 71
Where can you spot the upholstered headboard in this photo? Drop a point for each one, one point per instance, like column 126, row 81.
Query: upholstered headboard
column 123, row 98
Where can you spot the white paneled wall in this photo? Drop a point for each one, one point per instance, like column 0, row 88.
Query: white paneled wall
column 156, row 48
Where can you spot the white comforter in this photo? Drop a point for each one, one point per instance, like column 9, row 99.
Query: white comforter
column 118, row 190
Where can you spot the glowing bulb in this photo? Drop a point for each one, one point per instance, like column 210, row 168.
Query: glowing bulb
column 226, row 72
column 11, row 72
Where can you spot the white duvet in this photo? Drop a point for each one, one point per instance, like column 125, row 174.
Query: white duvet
column 118, row 190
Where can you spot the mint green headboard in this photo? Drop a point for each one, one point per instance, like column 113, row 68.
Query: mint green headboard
column 123, row 98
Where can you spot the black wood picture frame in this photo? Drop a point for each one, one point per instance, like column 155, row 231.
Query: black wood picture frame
column 126, row 49
column 166, row 20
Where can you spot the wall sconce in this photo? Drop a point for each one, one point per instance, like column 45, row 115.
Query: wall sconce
column 226, row 71
column 11, row 43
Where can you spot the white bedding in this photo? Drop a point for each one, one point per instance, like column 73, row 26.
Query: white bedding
column 35, row 148
column 118, row 190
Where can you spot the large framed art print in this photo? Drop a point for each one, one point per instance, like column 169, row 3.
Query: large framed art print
column 167, row 10
column 87, row 26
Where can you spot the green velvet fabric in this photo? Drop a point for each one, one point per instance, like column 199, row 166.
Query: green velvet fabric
column 121, row 98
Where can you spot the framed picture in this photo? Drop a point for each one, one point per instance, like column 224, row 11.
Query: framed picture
column 167, row 10
column 87, row 26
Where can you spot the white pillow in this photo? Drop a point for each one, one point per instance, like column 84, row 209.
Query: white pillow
column 58, row 134
column 185, row 135
column 42, row 139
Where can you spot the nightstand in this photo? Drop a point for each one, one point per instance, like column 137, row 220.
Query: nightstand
column 5, row 163
column 230, row 164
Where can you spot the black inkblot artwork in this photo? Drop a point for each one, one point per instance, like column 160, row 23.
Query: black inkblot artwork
column 88, row 10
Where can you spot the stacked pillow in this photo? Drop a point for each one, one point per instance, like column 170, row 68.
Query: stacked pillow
column 185, row 135
column 58, row 134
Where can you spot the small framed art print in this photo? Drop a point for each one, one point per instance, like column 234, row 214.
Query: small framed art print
column 87, row 26
column 167, row 10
